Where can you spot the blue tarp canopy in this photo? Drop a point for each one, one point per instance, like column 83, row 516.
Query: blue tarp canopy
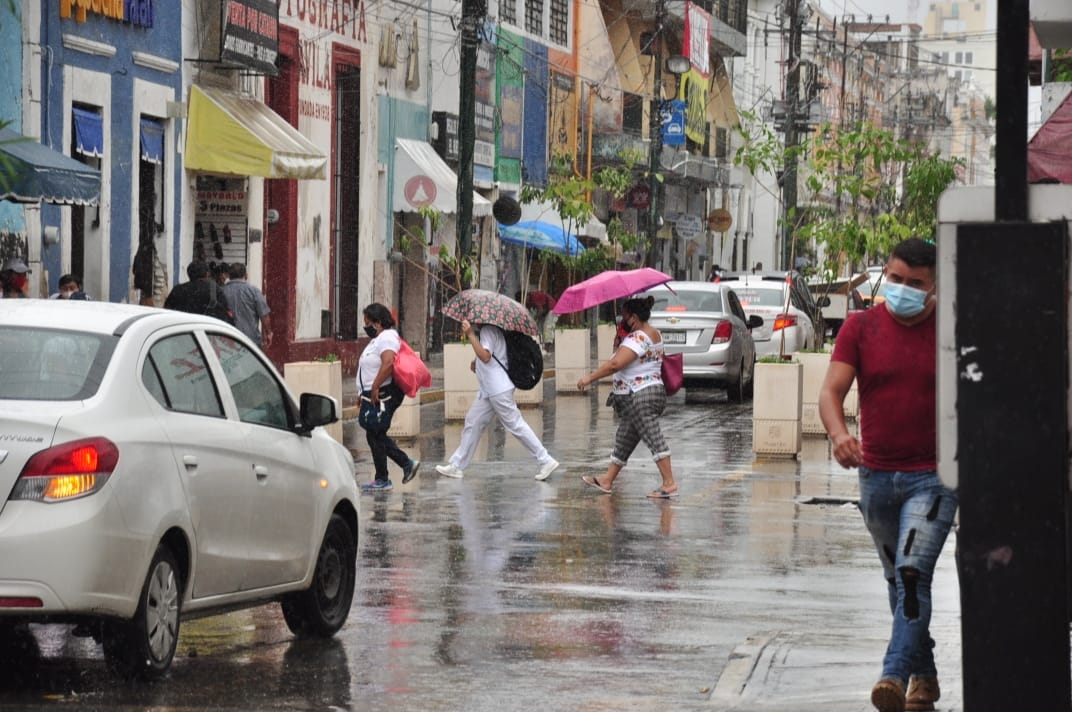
column 32, row 173
column 541, row 235
column 88, row 133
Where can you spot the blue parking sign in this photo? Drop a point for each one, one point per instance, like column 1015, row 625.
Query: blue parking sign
column 673, row 122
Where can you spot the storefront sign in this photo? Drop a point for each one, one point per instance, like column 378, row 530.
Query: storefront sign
column 220, row 220
column 136, row 12
column 251, row 35
column 446, row 135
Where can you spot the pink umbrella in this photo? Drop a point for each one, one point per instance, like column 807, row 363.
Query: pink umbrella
column 605, row 286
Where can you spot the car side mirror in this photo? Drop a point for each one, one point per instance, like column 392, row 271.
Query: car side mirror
column 316, row 410
column 755, row 321
column 824, row 301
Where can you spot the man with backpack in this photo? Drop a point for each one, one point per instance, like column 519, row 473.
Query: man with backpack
column 495, row 396
column 200, row 295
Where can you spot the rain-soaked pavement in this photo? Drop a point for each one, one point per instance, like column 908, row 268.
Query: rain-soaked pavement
column 756, row 589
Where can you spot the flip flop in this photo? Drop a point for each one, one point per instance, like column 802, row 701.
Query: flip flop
column 661, row 494
column 593, row 482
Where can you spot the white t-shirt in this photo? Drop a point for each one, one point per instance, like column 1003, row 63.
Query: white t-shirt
column 369, row 363
column 643, row 371
column 491, row 378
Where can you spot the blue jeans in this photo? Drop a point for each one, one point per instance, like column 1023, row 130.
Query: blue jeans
column 909, row 515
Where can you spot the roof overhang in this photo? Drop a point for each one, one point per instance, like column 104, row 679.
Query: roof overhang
column 235, row 134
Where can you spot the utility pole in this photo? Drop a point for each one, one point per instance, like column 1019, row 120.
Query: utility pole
column 792, row 135
column 655, row 129
column 473, row 13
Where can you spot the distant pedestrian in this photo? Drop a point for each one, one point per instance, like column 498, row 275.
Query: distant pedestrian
column 494, row 397
column 638, row 397
column 13, row 279
column 375, row 382
column 890, row 351
column 70, row 287
column 248, row 305
column 199, row 295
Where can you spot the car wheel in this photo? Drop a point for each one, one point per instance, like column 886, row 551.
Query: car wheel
column 322, row 609
column 735, row 392
column 144, row 646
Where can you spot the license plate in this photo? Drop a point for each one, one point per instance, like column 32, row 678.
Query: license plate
column 673, row 337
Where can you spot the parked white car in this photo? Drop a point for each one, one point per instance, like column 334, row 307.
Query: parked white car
column 786, row 306
column 154, row 466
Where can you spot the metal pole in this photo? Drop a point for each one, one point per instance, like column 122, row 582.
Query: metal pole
column 473, row 12
column 655, row 129
column 792, row 137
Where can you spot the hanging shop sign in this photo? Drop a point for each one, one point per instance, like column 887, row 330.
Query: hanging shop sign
column 221, row 220
column 251, row 35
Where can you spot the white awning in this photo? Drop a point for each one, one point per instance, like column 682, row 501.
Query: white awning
column 424, row 180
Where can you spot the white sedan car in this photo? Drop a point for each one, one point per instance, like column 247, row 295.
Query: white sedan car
column 154, row 466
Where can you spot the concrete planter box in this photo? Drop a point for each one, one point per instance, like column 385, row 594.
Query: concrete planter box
column 324, row 377
column 776, row 409
column 573, row 354
column 459, row 382
column 604, row 343
column 814, row 365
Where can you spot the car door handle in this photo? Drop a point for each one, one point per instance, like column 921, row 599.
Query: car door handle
column 260, row 471
column 190, row 462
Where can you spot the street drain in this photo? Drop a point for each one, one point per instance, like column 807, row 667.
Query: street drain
column 836, row 501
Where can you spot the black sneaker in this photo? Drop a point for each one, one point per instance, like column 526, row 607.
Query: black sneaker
column 410, row 472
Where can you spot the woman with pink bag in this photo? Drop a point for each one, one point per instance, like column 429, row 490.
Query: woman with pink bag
column 638, row 397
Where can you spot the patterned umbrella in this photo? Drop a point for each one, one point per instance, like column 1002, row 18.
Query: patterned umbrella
column 481, row 306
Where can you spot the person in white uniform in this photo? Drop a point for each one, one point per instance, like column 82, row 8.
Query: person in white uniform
column 495, row 396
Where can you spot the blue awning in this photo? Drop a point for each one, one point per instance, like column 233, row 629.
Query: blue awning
column 152, row 141
column 541, row 235
column 89, row 133
column 31, row 173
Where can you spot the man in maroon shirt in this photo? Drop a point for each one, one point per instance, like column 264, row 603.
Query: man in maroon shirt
column 890, row 351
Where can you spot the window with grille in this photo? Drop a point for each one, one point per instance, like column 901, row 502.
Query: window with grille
column 508, row 11
column 560, row 21
column 534, row 17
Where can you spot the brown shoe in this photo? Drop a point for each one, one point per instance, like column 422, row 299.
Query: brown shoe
column 923, row 692
column 888, row 695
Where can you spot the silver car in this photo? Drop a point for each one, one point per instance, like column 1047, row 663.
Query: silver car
column 705, row 322
column 154, row 466
column 787, row 307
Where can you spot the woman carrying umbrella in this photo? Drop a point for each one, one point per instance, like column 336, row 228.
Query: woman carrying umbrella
column 638, row 397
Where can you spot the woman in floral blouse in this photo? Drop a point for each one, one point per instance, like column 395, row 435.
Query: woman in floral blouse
column 638, row 397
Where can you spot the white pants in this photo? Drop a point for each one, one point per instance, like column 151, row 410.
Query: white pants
column 477, row 419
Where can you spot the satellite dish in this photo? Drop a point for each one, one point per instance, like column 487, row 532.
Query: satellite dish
column 506, row 210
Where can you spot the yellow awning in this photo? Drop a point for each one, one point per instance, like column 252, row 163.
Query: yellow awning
column 235, row 134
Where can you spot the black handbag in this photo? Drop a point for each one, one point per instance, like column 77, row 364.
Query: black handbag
column 376, row 418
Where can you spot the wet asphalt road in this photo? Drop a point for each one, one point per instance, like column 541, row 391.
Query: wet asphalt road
column 497, row 592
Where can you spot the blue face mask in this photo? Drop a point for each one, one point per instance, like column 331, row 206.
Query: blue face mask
column 904, row 301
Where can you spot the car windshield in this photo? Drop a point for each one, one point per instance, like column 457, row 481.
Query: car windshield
column 51, row 364
column 750, row 296
column 683, row 300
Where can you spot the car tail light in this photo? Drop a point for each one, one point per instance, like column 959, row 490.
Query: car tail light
column 21, row 602
column 784, row 321
column 67, row 471
column 723, row 333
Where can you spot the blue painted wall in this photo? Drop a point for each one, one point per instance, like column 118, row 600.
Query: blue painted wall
column 163, row 39
column 11, row 214
column 534, row 149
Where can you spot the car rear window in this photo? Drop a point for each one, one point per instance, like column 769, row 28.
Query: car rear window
column 52, row 364
column 760, row 297
column 682, row 300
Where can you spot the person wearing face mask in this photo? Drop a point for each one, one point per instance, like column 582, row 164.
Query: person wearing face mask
column 375, row 369
column 13, row 278
column 638, row 397
column 70, row 287
column 890, row 350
